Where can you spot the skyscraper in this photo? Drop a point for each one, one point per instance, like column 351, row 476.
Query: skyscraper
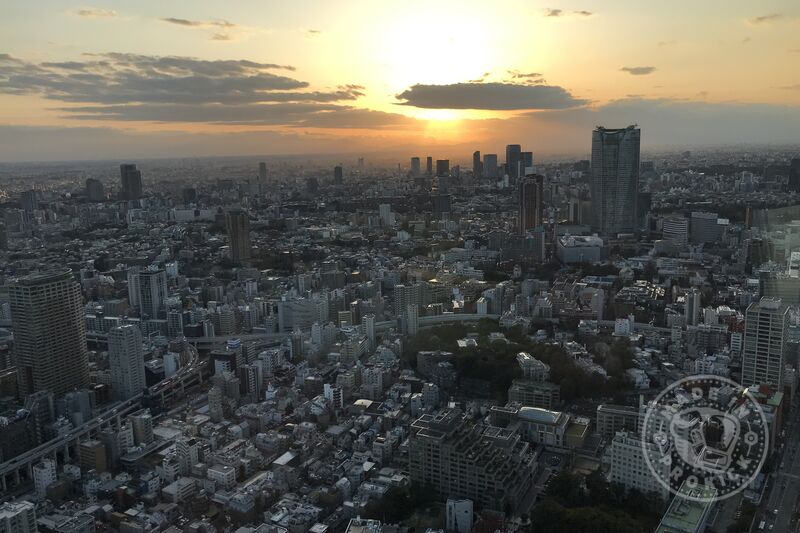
column 794, row 174
column 415, row 166
column 49, row 333
column 531, row 202
column 765, row 330
column 691, row 307
column 152, row 285
column 513, row 160
column 262, row 171
column 477, row 165
column 131, row 182
column 126, row 360
column 429, row 166
column 442, row 168
column 490, row 165
column 338, row 175
column 94, row 190
column 526, row 163
column 615, row 179
column 237, row 222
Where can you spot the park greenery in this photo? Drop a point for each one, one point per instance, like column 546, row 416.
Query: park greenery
column 577, row 503
column 495, row 362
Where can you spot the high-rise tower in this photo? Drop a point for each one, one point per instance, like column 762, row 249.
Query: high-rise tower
column 49, row 333
column 615, row 179
column 237, row 222
column 765, row 332
column 126, row 360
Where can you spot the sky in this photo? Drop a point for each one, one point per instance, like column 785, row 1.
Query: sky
column 180, row 78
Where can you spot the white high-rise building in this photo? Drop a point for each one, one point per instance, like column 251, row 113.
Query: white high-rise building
column 765, row 332
column 18, row 517
column 126, row 359
column 44, row 475
column 627, row 465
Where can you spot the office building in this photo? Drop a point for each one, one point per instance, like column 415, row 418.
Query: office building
column 613, row 418
column 765, row 334
column 262, row 172
column 513, row 161
column 142, row 425
column 429, row 166
column 94, row 190
column 237, row 222
column 530, row 203
column 152, row 289
column 488, row 465
column 707, row 228
column 615, row 179
column 18, row 517
column 126, row 360
column 526, row 163
column 29, row 200
column 627, row 465
column 477, row 165
column 44, row 474
column 92, row 455
column 49, row 333
column 675, row 229
column 131, row 182
column 442, row 168
column 490, row 166
column 691, row 307
column 794, row 174
column 338, row 175
column 415, row 166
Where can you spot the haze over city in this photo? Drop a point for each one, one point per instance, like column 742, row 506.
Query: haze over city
column 192, row 78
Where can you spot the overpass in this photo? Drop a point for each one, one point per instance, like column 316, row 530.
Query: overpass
column 20, row 467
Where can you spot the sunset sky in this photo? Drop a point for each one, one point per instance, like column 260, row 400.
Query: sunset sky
column 200, row 77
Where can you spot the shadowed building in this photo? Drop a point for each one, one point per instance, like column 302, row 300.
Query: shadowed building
column 615, row 179
column 49, row 333
column 237, row 223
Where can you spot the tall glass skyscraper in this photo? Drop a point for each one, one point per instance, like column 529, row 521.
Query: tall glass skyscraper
column 615, row 179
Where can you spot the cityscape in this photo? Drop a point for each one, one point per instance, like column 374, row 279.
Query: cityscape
column 235, row 301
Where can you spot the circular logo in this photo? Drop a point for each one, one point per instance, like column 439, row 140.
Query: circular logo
column 706, row 437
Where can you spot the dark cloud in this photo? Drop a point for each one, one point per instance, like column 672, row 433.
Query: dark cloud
column 638, row 71
column 199, row 23
column 96, row 12
column 117, row 78
column 524, row 75
column 497, row 96
column 765, row 19
column 667, row 43
column 551, row 12
column 795, row 87
column 221, row 37
column 313, row 32
column 131, row 87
